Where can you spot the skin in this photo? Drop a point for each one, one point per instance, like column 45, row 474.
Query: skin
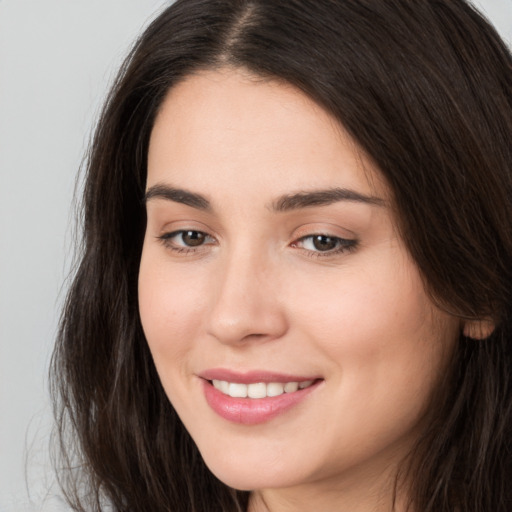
column 257, row 294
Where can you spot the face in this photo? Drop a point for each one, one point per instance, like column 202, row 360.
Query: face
column 272, row 268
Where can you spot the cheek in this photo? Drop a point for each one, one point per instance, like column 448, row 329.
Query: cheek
column 379, row 330
column 359, row 309
column 170, row 307
column 386, row 347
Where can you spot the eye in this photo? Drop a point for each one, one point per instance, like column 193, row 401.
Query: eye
column 322, row 244
column 186, row 239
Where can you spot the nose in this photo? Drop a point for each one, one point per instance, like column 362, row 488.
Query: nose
column 246, row 304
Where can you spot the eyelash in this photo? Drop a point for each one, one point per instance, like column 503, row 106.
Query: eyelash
column 166, row 240
column 342, row 244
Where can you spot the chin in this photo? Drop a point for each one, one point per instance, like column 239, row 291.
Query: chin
column 246, row 474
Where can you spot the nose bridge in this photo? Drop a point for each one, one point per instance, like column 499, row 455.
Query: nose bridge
column 246, row 303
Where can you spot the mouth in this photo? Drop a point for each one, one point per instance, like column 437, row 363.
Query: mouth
column 257, row 397
column 259, row 390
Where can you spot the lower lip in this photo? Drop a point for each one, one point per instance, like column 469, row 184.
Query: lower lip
column 251, row 411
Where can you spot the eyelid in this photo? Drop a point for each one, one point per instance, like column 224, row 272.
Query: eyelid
column 343, row 245
column 323, row 228
column 345, row 242
column 166, row 239
column 172, row 234
column 169, row 222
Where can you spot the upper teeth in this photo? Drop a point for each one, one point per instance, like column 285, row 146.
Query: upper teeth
column 259, row 389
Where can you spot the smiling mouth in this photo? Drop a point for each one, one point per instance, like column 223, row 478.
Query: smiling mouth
column 262, row 397
column 259, row 389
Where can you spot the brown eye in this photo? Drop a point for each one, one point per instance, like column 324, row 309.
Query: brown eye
column 193, row 238
column 186, row 239
column 320, row 244
column 324, row 243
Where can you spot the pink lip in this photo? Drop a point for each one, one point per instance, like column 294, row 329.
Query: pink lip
column 249, row 411
column 253, row 377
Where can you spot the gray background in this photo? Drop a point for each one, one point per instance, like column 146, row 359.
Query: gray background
column 57, row 58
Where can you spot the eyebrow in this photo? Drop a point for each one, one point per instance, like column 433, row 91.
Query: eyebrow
column 287, row 202
column 322, row 198
column 177, row 195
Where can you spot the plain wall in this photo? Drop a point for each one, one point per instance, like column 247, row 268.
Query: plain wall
column 57, row 58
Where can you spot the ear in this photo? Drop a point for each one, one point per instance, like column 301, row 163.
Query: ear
column 478, row 329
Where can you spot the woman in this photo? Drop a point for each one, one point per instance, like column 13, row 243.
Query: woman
column 294, row 290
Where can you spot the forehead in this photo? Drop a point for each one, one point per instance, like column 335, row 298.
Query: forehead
column 227, row 126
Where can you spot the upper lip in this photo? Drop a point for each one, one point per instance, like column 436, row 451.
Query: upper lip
column 253, row 376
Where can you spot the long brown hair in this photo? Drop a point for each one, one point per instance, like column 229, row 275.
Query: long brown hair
column 425, row 88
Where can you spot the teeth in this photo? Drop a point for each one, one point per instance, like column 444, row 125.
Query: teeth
column 291, row 387
column 221, row 385
column 237, row 390
column 275, row 389
column 259, row 389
